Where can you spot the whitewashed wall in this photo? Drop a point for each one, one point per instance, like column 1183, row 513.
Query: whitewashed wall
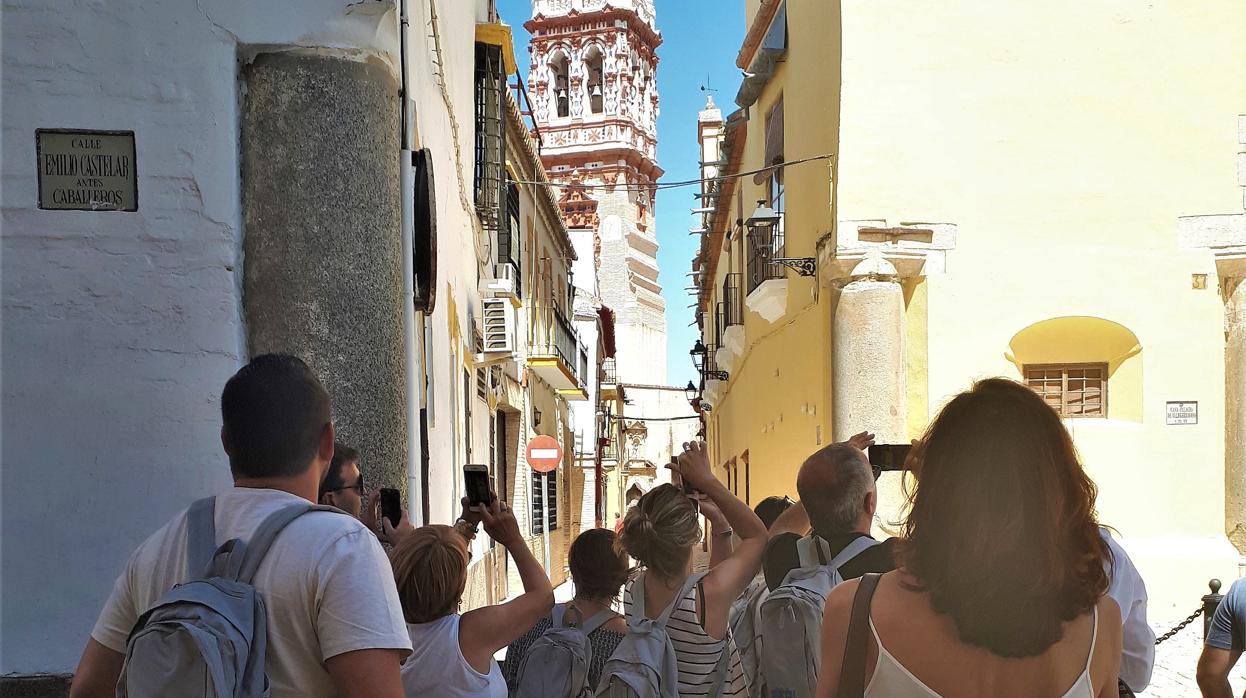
column 120, row 329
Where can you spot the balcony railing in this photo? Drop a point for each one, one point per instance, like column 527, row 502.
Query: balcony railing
column 609, row 372
column 733, row 307
column 764, row 246
column 556, row 337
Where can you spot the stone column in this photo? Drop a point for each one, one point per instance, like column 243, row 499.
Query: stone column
column 1235, row 412
column 322, row 271
column 867, row 355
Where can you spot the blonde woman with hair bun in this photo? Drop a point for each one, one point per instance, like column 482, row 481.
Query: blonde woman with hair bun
column 660, row 532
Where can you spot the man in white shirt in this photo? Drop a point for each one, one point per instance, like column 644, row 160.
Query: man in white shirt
column 335, row 624
column 1127, row 589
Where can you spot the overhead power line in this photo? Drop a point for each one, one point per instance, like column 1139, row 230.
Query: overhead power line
column 678, row 184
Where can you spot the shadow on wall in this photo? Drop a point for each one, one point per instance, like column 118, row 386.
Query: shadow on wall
column 1066, row 356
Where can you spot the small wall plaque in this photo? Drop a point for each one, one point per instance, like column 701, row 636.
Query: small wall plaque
column 1181, row 413
column 82, row 170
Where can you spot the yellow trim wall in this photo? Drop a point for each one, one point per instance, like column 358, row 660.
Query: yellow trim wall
column 1061, row 146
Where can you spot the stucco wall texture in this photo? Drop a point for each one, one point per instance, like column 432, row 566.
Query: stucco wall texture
column 323, row 245
column 120, row 329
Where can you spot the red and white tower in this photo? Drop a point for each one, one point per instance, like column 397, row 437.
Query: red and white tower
column 594, row 92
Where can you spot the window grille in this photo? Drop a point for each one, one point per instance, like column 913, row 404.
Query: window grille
column 1072, row 390
column 490, row 134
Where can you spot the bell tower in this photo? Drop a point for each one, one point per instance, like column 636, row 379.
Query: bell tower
column 593, row 85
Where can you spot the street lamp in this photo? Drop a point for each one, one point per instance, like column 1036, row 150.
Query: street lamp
column 763, row 219
column 698, row 353
column 691, row 391
column 762, row 236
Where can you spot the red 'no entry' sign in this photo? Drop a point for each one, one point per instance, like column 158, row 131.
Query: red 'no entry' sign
column 544, row 454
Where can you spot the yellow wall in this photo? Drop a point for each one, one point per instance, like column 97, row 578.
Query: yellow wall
column 1063, row 146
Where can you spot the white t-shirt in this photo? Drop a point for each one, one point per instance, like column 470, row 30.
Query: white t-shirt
column 327, row 585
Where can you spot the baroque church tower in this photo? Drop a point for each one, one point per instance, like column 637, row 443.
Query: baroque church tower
column 593, row 86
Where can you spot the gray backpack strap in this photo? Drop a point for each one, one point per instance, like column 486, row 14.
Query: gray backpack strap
column 200, row 537
column 638, row 599
column 557, row 614
column 692, row 581
column 813, row 550
column 257, row 547
column 851, row 550
column 596, row 621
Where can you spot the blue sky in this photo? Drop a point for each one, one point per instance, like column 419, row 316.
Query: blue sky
column 700, row 39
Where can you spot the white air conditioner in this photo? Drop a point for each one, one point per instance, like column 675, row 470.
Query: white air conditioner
column 503, row 282
column 499, row 327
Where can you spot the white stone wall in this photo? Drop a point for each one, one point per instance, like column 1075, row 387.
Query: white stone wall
column 120, row 329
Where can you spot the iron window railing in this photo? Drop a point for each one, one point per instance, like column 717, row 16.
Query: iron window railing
column 490, row 144
column 560, row 339
column 609, row 372
column 764, row 245
column 509, row 236
column 733, row 307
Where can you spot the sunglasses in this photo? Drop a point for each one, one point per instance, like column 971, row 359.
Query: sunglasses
column 358, row 487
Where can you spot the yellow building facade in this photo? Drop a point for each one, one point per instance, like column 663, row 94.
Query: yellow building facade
column 990, row 189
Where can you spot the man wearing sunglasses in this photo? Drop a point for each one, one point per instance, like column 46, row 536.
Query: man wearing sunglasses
column 343, row 486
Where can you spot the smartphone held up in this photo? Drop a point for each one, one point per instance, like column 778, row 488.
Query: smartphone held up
column 885, row 457
column 476, row 482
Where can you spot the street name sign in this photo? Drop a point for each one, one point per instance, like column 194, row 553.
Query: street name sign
column 83, row 170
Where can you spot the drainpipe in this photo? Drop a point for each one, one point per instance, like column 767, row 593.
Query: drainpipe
column 410, row 323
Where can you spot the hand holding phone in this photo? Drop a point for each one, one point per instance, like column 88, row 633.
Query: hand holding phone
column 391, row 505
column 476, row 481
column 885, row 457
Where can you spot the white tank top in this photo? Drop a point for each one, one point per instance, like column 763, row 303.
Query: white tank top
column 437, row 667
column 892, row 680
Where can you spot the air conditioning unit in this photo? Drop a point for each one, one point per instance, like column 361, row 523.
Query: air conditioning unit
column 503, row 282
column 499, row 327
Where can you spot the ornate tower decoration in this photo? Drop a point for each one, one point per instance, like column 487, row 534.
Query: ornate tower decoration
column 594, row 92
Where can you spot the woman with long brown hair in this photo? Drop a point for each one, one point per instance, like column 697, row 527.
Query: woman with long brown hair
column 1000, row 589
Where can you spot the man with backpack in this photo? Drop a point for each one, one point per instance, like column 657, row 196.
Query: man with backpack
column 838, row 498
column 296, row 598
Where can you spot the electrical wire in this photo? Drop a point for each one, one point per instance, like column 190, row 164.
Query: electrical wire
column 678, row 184
column 625, row 418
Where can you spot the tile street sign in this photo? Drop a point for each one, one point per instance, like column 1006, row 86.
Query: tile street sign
column 83, row 170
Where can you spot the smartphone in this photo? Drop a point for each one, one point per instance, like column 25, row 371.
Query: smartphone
column 476, row 479
column 886, row 457
column 391, row 505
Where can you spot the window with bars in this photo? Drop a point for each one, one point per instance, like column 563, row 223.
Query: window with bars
column 1072, row 390
column 544, row 493
column 490, row 142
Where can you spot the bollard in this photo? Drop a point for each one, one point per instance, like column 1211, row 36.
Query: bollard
column 1210, row 603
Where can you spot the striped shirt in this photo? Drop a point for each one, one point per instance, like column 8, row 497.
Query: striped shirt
column 698, row 654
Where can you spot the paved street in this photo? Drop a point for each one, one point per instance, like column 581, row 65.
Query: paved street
column 1175, row 661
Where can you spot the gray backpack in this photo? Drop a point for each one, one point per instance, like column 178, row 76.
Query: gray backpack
column 644, row 665
column 208, row 637
column 790, row 619
column 556, row 665
column 744, row 619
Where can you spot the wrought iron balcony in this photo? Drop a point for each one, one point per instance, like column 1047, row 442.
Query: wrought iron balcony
column 558, row 356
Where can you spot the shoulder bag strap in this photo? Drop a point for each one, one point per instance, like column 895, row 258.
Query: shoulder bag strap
column 557, row 614
column 200, row 537
column 267, row 532
column 852, row 673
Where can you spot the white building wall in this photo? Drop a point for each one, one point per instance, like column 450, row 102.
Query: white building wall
column 120, row 329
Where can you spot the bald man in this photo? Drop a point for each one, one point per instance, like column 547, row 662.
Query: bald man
column 838, row 497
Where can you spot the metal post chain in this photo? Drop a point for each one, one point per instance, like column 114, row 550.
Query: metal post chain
column 1180, row 626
